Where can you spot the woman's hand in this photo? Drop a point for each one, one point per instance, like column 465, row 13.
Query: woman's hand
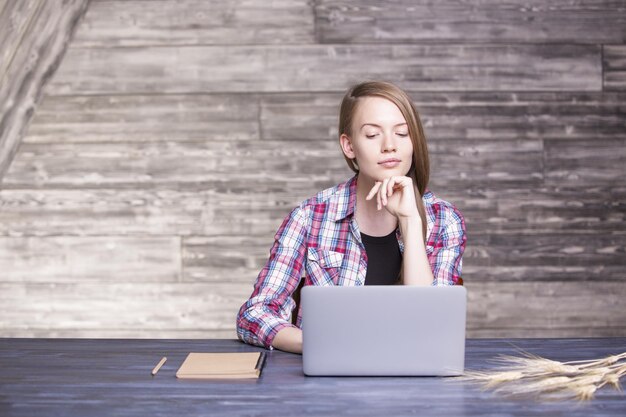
column 397, row 195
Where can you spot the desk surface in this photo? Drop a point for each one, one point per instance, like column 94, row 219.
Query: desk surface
column 92, row 377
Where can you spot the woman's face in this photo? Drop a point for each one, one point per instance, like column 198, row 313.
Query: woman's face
column 380, row 139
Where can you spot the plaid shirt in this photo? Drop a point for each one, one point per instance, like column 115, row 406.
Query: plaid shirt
column 321, row 237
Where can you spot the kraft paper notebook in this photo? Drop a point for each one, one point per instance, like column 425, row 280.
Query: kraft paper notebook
column 222, row 365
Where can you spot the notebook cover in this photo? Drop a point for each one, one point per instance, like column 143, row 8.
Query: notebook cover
column 220, row 365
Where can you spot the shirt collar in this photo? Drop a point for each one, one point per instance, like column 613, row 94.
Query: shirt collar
column 344, row 200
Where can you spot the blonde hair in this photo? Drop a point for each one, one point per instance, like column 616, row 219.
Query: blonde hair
column 420, row 168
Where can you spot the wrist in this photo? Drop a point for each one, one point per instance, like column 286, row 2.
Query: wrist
column 406, row 222
column 411, row 228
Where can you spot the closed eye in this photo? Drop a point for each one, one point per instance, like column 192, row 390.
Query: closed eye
column 371, row 136
column 403, row 135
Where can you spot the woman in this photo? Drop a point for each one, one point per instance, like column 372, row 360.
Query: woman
column 370, row 230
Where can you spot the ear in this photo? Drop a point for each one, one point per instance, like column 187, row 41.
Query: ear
column 346, row 146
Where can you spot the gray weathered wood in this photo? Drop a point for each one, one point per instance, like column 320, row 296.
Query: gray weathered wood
column 490, row 21
column 614, row 64
column 112, row 377
column 157, row 212
column 69, row 259
column 300, row 115
column 195, row 22
column 578, row 162
column 221, row 258
column 486, row 162
column 307, row 116
column 166, row 309
column 211, row 163
column 497, row 257
column 223, row 212
column 545, row 257
column 586, row 210
column 541, row 307
column 532, row 271
column 468, row 115
column 183, row 132
column 15, row 18
column 327, row 68
column 183, row 164
column 150, row 118
column 39, row 33
column 208, row 164
column 535, row 308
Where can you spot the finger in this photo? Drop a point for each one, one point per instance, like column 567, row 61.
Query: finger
column 392, row 182
column 373, row 190
column 399, row 183
column 383, row 191
column 378, row 201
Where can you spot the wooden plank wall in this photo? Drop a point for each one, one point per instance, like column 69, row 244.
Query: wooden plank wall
column 176, row 135
column 33, row 37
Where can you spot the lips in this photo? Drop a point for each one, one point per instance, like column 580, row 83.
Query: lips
column 390, row 163
column 389, row 160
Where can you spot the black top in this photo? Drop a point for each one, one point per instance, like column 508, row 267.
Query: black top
column 384, row 259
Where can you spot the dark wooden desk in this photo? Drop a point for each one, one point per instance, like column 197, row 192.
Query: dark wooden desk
column 87, row 377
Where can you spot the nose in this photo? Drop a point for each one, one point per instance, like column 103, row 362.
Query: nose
column 389, row 145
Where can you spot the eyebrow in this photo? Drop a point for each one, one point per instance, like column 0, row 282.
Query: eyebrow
column 375, row 125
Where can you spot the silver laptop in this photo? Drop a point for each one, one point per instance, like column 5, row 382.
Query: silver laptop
column 383, row 330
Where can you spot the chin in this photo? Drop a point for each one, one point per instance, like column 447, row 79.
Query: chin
column 387, row 173
column 394, row 172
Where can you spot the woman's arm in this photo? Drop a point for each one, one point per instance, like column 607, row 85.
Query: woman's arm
column 443, row 267
column 266, row 313
column 288, row 339
column 447, row 255
column 415, row 266
column 397, row 195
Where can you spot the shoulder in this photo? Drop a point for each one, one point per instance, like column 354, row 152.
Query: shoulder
column 442, row 211
column 328, row 205
column 327, row 195
column 332, row 202
column 311, row 214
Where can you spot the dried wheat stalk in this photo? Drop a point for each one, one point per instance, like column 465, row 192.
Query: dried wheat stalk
column 545, row 379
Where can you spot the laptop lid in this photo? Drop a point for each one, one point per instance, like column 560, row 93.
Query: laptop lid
column 383, row 330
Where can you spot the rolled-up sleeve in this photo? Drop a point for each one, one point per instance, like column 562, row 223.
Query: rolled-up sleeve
column 446, row 260
column 270, row 306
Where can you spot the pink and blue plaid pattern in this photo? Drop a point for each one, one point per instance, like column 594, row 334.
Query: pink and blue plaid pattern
column 320, row 239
